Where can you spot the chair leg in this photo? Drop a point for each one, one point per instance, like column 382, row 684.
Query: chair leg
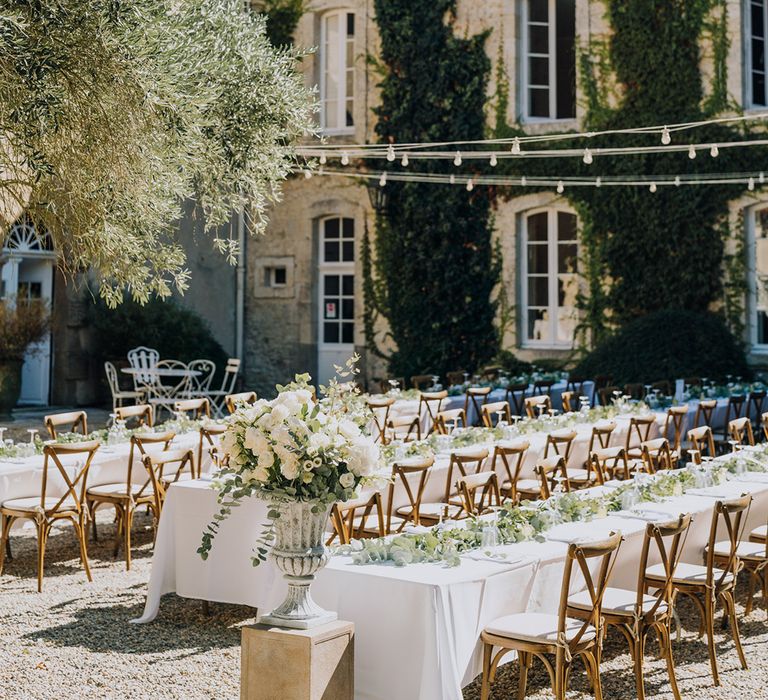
column 486, row 686
column 639, row 654
column 92, row 522
column 709, row 624
column 561, row 672
column 42, row 536
column 525, row 664
column 80, row 531
column 731, row 605
column 750, row 592
column 127, row 524
column 5, row 541
column 666, row 636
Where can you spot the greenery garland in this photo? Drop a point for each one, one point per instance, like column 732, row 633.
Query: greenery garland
column 434, row 259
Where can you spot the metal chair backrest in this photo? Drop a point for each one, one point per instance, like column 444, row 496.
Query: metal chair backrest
column 201, row 383
column 77, row 420
column 231, row 370
column 402, row 471
column 173, row 386
column 143, row 358
column 142, row 412
column 74, row 487
column 114, row 383
column 233, row 401
column 579, row 555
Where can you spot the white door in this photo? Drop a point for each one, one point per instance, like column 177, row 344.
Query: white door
column 336, row 315
column 35, row 281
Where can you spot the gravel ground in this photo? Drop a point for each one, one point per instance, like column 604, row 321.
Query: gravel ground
column 75, row 639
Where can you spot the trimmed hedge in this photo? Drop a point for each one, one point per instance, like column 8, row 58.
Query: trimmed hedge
column 669, row 344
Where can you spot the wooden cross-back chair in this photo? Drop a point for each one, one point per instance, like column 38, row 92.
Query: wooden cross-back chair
column 48, row 508
column 234, row 401
column 445, row 421
column 663, row 386
column 754, row 555
column 701, row 439
column 543, row 387
column 639, row 432
column 479, row 492
column 635, row 391
column 182, row 466
column 576, row 385
column 476, row 397
column 515, row 397
column 494, row 409
column 740, row 430
column 380, row 407
column 704, row 411
column 420, row 382
column 675, row 422
column 635, row 613
column 455, row 378
column 606, row 394
column 406, row 428
column 755, row 401
column 548, row 470
column 350, row 519
column 197, row 407
column 512, row 456
column 656, row 455
column 431, row 403
column 127, row 496
column 208, row 433
column 560, row 442
column 764, row 422
column 734, row 408
column 76, row 420
column 405, row 472
column 608, row 463
column 601, row 381
column 542, row 635
column 715, row 580
column 142, row 413
column 533, row 404
column 567, row 399
column 601, row 435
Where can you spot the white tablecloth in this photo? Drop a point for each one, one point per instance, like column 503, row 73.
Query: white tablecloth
column 423, row 620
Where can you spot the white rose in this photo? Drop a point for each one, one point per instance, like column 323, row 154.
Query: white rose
column 279, row 413
column 252, row 439
column 317, row 442
column 260, row 474
column 289, row 467
column 303, row 396
column 266, row 459
column 363, row 457
column 347, row 480
column 348, row 429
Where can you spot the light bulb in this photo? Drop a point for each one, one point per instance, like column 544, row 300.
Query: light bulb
column 751, row 184
column 457, row 159
column 714, row 151
column 598, row 182
column 493, row 160
column 390, row 153
column 677, row 181
column 652, row 188
column 307, row 174
column 452, row 179
column 515, row 146
column 404, row 160
column 323, row 159
column 523, row 181
column 560, row 187
column 344, row 158
column 691, row 152
column 383, row 180
column 665, row 137
column 587, row 156
column 470, row 185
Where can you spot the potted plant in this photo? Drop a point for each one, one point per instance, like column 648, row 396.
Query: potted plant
column 22, row 323
column 302, row 456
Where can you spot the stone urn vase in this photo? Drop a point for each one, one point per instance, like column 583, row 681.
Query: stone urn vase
column 10, row 386
column 299, row 553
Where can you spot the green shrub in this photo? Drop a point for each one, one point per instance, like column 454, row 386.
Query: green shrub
column 512, row 365
column 669, row 344
column 174, row 331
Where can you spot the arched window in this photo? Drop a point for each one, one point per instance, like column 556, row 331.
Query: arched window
column 549, row 278
column 337, row 71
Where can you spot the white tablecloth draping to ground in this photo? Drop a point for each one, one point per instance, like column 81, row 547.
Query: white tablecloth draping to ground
column 423, row 620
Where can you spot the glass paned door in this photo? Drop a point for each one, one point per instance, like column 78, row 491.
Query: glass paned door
column 336, row 296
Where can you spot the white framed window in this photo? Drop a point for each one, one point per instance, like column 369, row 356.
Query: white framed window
column 337, row 72
column 757, row 303
column 756, row 22
column 549, row 276
column 337, row 281
column 549, row 59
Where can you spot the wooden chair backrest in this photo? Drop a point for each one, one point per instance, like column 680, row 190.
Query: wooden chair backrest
column 639, row 430
column 468, row 462
column 142, row 412
column 701, row 438
column 197, row 407
column 548, row 469
column 601, row 435
column 675, row 420
column 491, row 409
column 532, row 402
column 432, row 403
column 488, row 485
column 344, row 515
column 705, row 409
column 740, row 430
column 417, row 468
column 78, row 420
column 733, row 513
column 454, row 417
column 515, row 397
column 74, row 487
column 232, row 401
column 561, row 443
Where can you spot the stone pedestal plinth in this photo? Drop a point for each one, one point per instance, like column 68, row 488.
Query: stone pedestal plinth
column 293, row 664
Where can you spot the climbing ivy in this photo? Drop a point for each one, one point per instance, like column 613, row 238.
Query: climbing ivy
column 434, row 260
column 664, row 249
column 282, row 18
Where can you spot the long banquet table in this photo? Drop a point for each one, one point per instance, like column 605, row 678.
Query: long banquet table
column 423, row 619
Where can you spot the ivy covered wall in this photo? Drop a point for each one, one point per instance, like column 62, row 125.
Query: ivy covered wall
column 434, row 264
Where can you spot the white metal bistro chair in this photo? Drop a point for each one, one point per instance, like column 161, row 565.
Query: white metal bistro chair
column 141, row 358
column 118, row 395
column 200, row 384
column 165, row 395
column 218, row 397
